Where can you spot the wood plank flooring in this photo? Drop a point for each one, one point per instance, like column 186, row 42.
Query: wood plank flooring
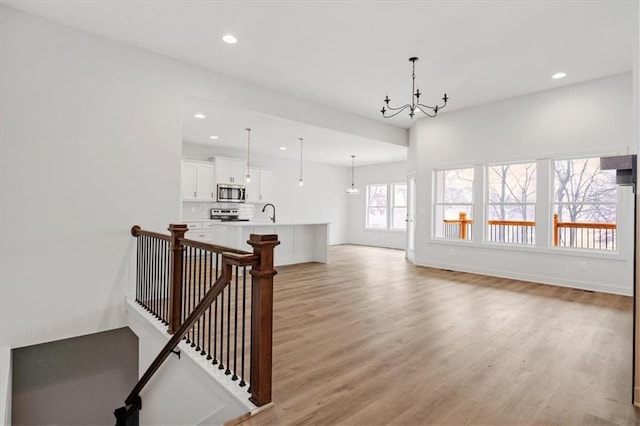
column 370, row 339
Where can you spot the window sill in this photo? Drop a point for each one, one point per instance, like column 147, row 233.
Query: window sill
column 534, row 249
column 391, row 231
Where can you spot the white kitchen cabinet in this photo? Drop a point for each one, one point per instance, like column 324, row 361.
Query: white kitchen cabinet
column 230, row 171
column 189, row 178
column 259, row 189
column 197, row 181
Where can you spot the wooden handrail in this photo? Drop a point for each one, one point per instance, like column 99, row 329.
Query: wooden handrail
column 511, row 222
column 583, row 225
column 210, row 247
column 136, row 231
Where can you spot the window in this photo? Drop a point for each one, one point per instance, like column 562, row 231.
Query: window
column 399, row 212
column 377, row 206
column 585, row 200
column 383, row 195
column 453, row 216
column 511, row 203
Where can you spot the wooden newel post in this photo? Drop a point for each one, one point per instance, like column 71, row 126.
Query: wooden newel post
column 556, row 230
column 175, row 276
column 262, row 317
column 463, row 226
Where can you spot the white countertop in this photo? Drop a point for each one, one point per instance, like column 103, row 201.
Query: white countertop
column 254, row 223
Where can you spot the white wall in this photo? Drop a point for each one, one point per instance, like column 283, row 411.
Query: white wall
column 185, row 390
column 589, row 118
column 90, row 144
column 321, row 199
column 6, row 386
column 386, row 173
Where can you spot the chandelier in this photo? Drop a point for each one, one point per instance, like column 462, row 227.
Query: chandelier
column 415, row 105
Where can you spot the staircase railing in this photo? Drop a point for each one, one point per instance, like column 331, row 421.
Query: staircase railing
column 200, row 291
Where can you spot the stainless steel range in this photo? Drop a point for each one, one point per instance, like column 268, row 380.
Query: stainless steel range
column 226, row 215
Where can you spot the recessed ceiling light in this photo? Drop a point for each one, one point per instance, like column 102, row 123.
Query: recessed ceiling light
column 228, row 38
column 198, row 115
column 559, row 75
column 213, row 137
column 283, row 148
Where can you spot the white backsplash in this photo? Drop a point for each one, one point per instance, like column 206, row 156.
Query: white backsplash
column 201, row 211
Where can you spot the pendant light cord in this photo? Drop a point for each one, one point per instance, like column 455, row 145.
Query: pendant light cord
column 353, row 159
column 248, row 149
column 301, row 139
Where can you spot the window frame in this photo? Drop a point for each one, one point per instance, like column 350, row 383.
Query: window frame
column 521, row 232
column 553, row 209
column 389, row 208
column 471, row 204
column 368, row 207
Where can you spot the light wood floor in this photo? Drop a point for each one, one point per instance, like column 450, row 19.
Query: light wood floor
column 370, row 339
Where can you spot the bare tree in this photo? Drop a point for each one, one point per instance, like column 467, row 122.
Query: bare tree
column 584, row 192
column 516, row 188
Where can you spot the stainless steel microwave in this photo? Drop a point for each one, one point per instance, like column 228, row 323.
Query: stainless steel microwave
column 228, row 193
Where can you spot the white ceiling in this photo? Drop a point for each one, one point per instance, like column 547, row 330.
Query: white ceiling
column 269, row 133
column 350, row 54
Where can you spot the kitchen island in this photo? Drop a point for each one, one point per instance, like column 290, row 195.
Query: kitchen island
column 299, row 241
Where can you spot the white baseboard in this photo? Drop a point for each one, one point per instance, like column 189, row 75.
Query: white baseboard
column 535, row 278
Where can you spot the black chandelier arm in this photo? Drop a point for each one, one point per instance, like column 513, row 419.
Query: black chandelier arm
column 439, row 107
column 390, row 108
column 398, row 111
column 420, row 106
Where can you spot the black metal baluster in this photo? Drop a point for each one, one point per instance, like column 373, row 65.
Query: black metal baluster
column 185, row 258
column 221, row 366
column 215, row 328
column 227, row 371
column 188, row 288
column 156, row 265
column 143, row 265
column 199, row 330
column 244, row 314
column 192, row 300
column 209, row 285
column 143, row 273
column 167, row 277
column 146, row 274
column 138, row 269
column 235, row 332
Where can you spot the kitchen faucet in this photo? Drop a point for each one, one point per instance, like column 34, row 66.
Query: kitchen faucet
column 273, row 219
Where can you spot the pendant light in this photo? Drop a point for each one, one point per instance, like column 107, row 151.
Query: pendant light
column 352, row 190
column 248, row 175
column 300, row 181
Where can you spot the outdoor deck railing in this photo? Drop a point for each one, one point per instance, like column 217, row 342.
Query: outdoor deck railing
column 587, row 235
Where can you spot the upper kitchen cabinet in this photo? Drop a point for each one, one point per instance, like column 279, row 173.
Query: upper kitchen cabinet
column 229, row 170
column 259, row 189
column 198, row 181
